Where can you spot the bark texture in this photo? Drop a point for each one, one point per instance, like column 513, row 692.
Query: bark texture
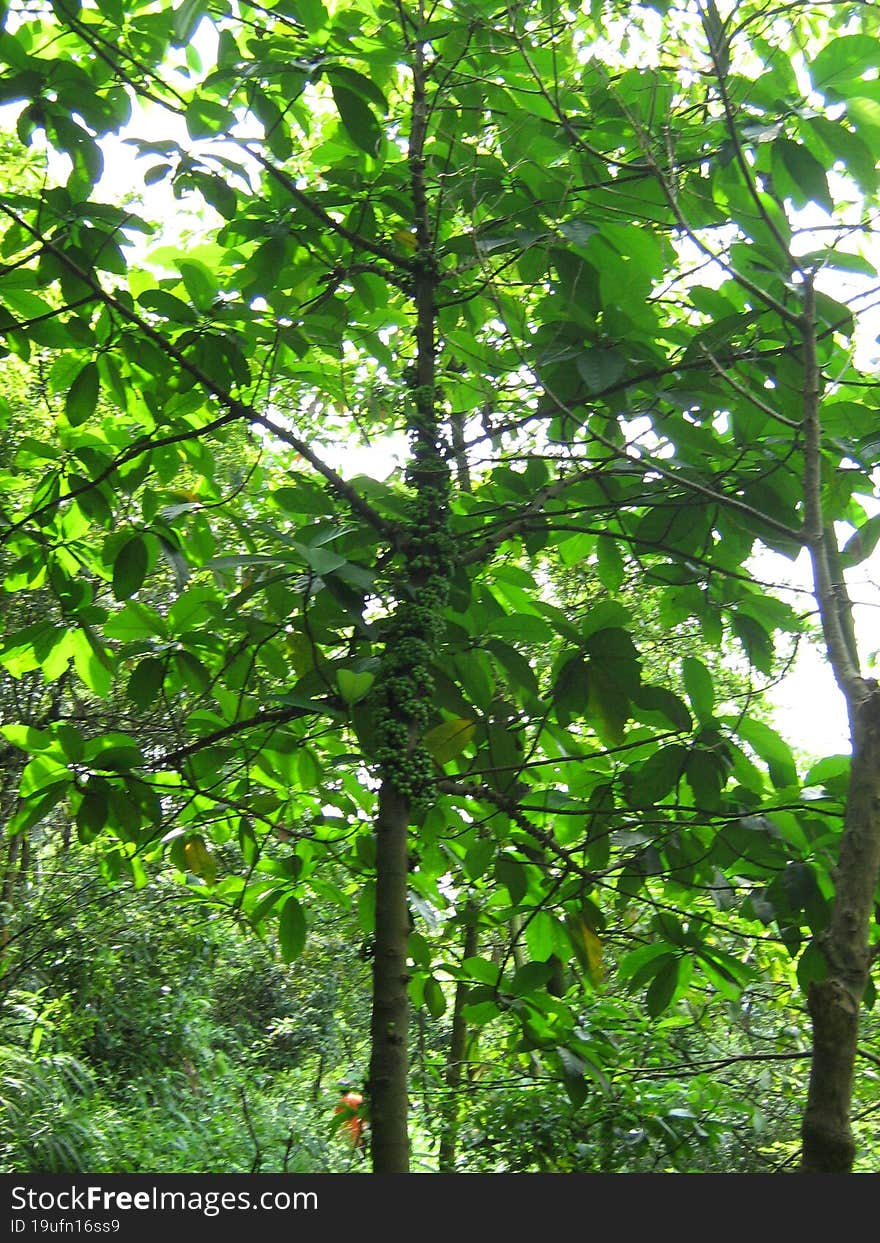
column 834, row 1003
column 389, row 1061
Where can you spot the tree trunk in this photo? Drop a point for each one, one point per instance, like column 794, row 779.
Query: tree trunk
column 834, row 1003
column 826, row 1132
column 390, row 1016
column 457, row 1052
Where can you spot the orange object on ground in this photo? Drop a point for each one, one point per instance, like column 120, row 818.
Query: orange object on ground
column 350, row 1103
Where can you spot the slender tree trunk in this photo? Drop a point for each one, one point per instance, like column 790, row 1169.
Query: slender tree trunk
column 834, row 1003
column 389, row 1062
column 457, row 1052
column 404, row 689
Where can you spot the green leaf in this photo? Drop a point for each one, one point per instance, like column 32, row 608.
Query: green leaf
column 542, row 936
column 587, row 946
column 600, row 369
column 843, row 60
column 192, row 670
column 522, row 628
column 35, row 809
column 187, row 18
column 191, row 608
column 532, row 977
column 812, row 966
column 862, row 543
column 807, row 174
column 657, row 700
column 292, row 929
column 146, row 681
column 358, row 119
column 130, row 567
column 510, row 873
column 699, row 686
column 312, row 14
column 608, row 615
column 135, row 621
column 82, row 396
column 434, row 998
column 167, row 305
column 610, row 563
column 92, row 812
column 653, row 780
column 773, row 749
column 353, row 686
column 200, row 284
column 663, row 986
column 206, row 117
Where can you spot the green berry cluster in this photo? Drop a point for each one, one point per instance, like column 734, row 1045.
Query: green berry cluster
column 405, row 687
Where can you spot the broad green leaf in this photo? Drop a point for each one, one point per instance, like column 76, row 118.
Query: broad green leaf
column 40, row 772
column 587, row 946
column 600, row 368
column 146, row 681
column 206, row 117
column 358, row 119
column 522, row 628
column 608, row 615
column 663, row 987
column 130, row 568
column 187, row 18
column 135, row 621
column 435, row 1000
column 82, row 396
column 292, row 929
column 610, row 563
column 807, row 174
column 92, row 662
column 657, row 700
column 191, row 608
column 312, row 14
column 845, row 59
column 862, row 543
column 510, row 872
column 531, row 977
column 480, row 969
column 541, row 936
column 699, row 686
column 354, row 686
column 200, row 283
column 660, row 773
column 38, row 806
column 91, row 815
column 771, row 748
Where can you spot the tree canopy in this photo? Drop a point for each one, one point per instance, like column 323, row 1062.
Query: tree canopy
column 598, row 275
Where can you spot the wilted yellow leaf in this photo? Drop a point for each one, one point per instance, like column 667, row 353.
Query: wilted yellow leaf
column 447, row 740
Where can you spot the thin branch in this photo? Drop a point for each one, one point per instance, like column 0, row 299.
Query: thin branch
column 237, row 410
column 357, row 240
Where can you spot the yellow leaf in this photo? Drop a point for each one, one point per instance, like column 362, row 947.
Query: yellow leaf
column 405, row 240
column 447, row 740
column 587, row 946
column 199, row 859
column 300, row 651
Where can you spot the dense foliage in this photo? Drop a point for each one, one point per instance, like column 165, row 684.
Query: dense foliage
column 589, row 285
